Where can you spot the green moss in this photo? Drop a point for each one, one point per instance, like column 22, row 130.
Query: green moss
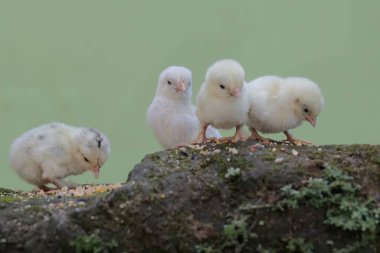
column 353, row 247
column 269, row 157
column 261, row 249
column 153, row 157
column 240, row 162
column 316, row 155
column 7, row 191
column 299, row 245
column 355, row 147
column 38, row 209
column 8, row 199
column 92, row 243
column 376, row 161
column 9, row 196
column 216, row 161
column 205, row 248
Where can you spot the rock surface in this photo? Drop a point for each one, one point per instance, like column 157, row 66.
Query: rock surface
column 227, row 197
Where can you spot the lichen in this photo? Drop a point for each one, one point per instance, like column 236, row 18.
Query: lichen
column 337, row 194
column 236, row 234
column 232, row 173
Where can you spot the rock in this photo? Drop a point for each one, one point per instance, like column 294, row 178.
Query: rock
column 214, row 198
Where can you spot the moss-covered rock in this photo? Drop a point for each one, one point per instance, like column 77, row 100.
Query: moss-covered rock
column 241, row 197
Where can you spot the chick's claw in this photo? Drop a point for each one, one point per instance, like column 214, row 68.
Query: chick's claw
column 296, row 141
column 256, row 136
column 201, row 139
column 225, row 139
column 237, row 137
column 56, row 182
column 202, row 135
column 299, row 142
column 43, row 188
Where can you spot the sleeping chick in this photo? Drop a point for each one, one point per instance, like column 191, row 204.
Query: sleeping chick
column 279, row 104
column 51, row 152
column 222, row 100
column 171, row 115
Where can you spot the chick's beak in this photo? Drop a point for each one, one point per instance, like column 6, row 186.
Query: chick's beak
column 312, row 120
column 95, row 171
column 236, row 92
column 180, row 87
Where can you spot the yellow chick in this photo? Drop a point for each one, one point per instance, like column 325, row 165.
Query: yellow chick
column 49, row 153
column 278, row 104
column 222, row 99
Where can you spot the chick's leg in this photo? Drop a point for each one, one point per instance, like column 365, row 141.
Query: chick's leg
column 296, row 141
column 44, row 188
column 256, row 136
column 202, row 134
column 238, row 135
column 58, row 183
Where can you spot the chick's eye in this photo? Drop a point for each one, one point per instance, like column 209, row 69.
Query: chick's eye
column 169, row 82
column 189, row 84
column 222, row 86
column 305, row 110
column 85, row 159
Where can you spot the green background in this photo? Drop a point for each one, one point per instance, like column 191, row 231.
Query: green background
column 96, row 63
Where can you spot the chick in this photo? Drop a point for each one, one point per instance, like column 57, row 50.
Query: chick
column 171, row 115
column 222, row 99
column 51, row 152
column 279, row 104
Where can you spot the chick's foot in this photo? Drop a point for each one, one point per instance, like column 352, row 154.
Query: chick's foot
column 256, row 136
column 296, row 141
column 43, row 188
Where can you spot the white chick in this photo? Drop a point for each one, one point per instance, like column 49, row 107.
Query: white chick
column 51, row 152
column 222, row 100
column 171, row 115
column 279, row 104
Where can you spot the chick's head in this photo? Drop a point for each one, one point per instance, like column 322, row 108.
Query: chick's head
column 175, row 82
column 308, row 99
column 94, row 148
column 225, row 78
